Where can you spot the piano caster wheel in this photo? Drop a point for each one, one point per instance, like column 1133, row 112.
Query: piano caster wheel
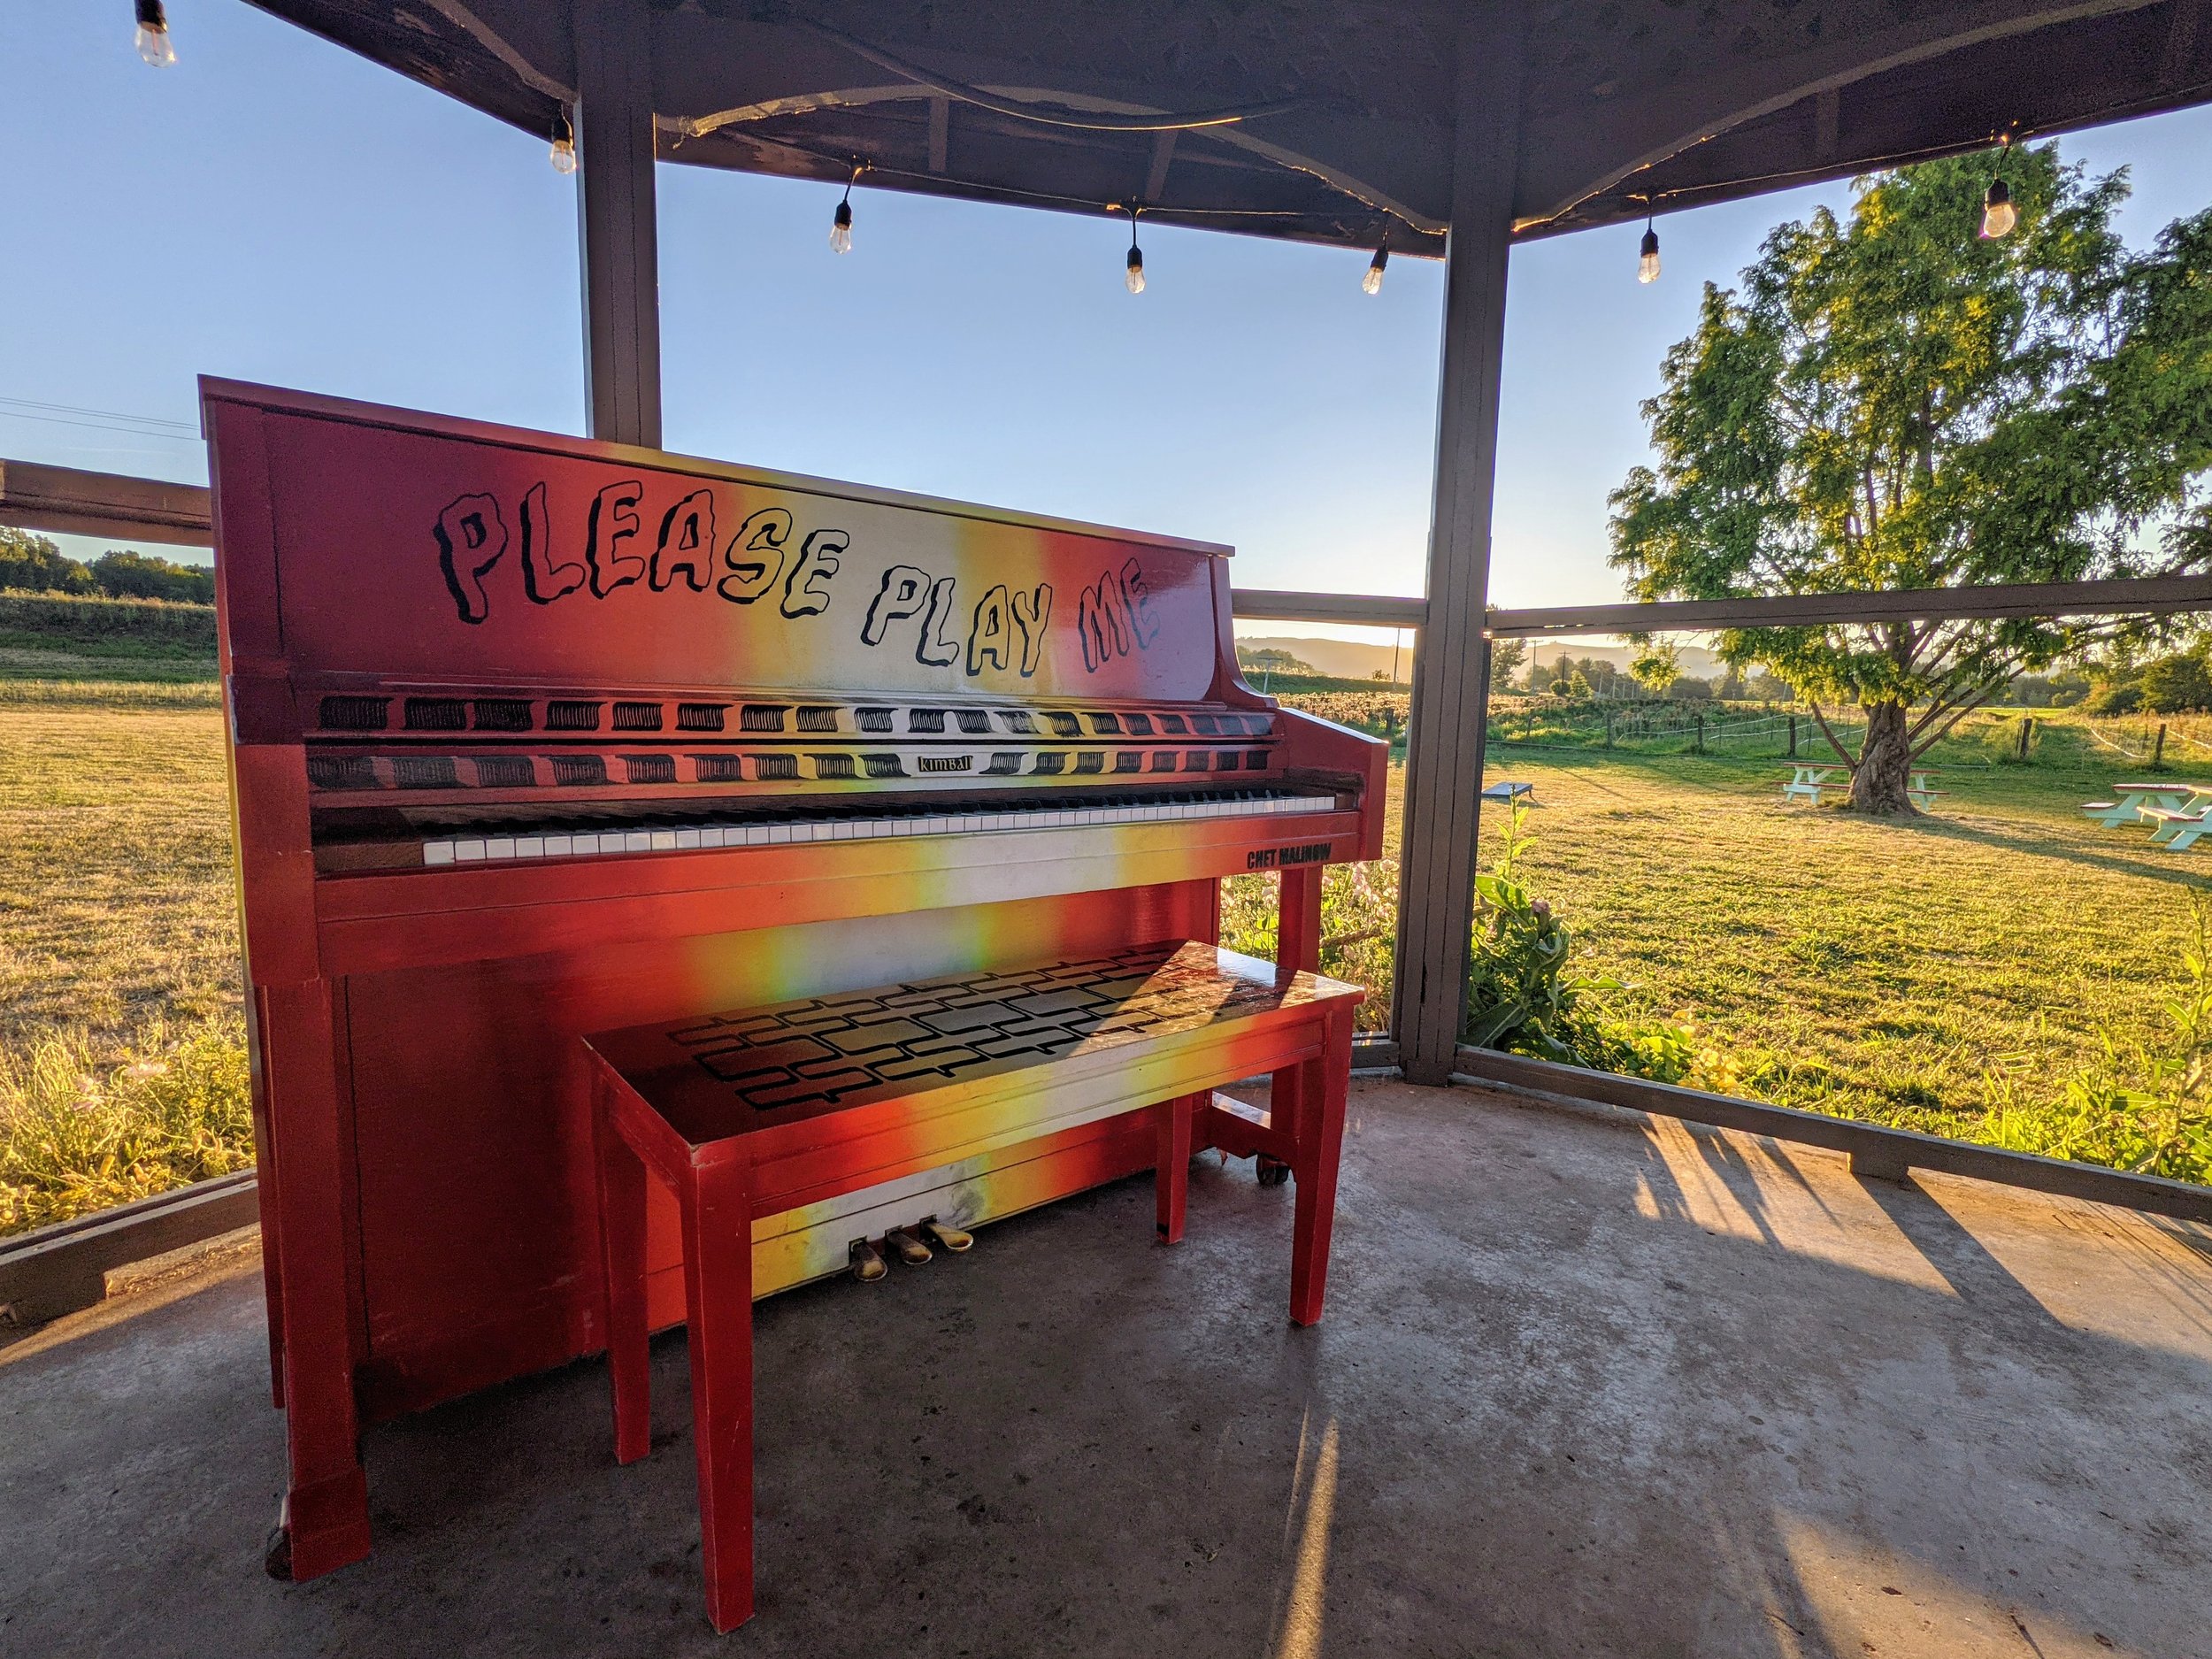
column 276, row 1554
column 1271, row 1171
column 867, row 1262
column 909, row 1249
column 946, row 1236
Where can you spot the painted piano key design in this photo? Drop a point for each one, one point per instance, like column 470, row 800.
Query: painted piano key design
column 461, row 849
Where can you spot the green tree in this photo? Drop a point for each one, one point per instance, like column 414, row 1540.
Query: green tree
column 2175, row 683
column 33, row 563
column 1658, row 665
column 142, row 576
column 1506, row 657
column 1889, row 402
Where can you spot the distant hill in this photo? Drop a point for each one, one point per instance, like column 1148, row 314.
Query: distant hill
column 1350, row 659
column 1339, row 659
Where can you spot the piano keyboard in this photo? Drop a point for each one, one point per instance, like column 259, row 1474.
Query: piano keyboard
column 664, row 837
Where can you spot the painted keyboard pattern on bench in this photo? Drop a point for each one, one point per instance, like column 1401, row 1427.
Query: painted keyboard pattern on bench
column 830, row 1050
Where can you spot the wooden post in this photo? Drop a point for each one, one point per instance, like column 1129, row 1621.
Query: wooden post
column 2027, row 725
column 1451, row 676
column 2158, row 748
column 617, row 233
column 1697, row 743
column 1793, row 737
column 1608, row 728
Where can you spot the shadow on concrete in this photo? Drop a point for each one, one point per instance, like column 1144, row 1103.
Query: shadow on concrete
column 1577, row 1393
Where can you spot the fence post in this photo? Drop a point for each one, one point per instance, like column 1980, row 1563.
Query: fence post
column 1608, row 728
column 2027, row 729
column 1697, row 746
column 1793, row 737
column 2158, row 748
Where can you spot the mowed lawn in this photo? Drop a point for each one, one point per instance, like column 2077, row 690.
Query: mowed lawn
column 1906, row 970
column 116, row 903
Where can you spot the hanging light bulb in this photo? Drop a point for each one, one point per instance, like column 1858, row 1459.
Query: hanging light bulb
column 1647, row 255
column 1371, row 283
column 1999, row 215
column 564, row 152
column 842, row 221
column 1134, row 280
column 152, row 34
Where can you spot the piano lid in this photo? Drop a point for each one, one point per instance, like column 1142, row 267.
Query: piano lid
column 357, row 540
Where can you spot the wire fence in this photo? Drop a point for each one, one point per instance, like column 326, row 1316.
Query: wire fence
column 1673, row 728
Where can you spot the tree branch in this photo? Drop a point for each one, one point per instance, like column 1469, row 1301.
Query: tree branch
column 1841, row 753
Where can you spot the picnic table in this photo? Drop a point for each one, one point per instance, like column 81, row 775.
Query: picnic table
column 1503, row 790
column 2139, row 802
column 1807, row 781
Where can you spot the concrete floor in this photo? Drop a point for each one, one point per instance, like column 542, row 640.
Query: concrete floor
column 1587, row 1384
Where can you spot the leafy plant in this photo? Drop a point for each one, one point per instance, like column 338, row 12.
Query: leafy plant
column 80, row 1132
column 2142, row 1110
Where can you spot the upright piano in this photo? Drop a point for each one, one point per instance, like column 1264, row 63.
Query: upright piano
column 532, row 736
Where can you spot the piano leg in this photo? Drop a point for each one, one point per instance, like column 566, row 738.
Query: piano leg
column 717, row 1226
column 1170, row 1176
column 622, row 1236
column 1323, row 1086
column 326, row 1519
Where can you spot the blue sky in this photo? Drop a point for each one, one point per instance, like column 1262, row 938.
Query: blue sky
column 275, row 209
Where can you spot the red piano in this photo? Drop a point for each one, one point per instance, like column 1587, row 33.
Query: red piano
column 533, row 737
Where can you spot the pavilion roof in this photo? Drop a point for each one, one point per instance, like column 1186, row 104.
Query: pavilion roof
column 1623, row 101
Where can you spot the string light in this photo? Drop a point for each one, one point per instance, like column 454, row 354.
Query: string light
column 1134, row 280
column 152, row 34
column 1371, row 283
column 1999, row 215
column 842, row 221
column 1647, row 255
column 564, row 152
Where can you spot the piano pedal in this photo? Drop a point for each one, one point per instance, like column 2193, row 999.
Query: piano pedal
column 909, row 1249
column 1271, row 1171
column 946, row 1236
column 868, row 1264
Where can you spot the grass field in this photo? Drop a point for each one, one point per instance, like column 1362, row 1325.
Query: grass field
column 1936, row 973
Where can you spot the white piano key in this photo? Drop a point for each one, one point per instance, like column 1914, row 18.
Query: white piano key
column 689, row 838
column 584, row 846
column 469, row 851
column 437, row 852
column 663, row 840
column 559, row 846
column 500, row 847
column 529, row 846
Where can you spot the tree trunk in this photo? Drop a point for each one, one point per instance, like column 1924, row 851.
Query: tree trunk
column 1881, row 782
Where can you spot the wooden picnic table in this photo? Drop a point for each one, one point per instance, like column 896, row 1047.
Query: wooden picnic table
column 1807, row 781
column 1504, row 790
column 2135, row 803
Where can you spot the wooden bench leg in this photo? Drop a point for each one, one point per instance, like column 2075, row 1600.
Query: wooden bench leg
column 719, row 1298
column 1171, row 1175
column 622, row 1245
column 1324, row 1082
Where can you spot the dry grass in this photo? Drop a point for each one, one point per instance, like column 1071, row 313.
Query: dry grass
column 115, row 869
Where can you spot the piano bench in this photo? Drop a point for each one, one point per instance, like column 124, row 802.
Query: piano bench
column 756, row 1113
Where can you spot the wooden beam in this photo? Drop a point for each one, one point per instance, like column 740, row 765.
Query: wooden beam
column 2183, row 31
column 1451, row 671
column 617, row 228
column 52, row 1270
column 1368, row 609
column 940, row 133
column 62, row 499
column 2148, row 595
column 1874, row 1149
